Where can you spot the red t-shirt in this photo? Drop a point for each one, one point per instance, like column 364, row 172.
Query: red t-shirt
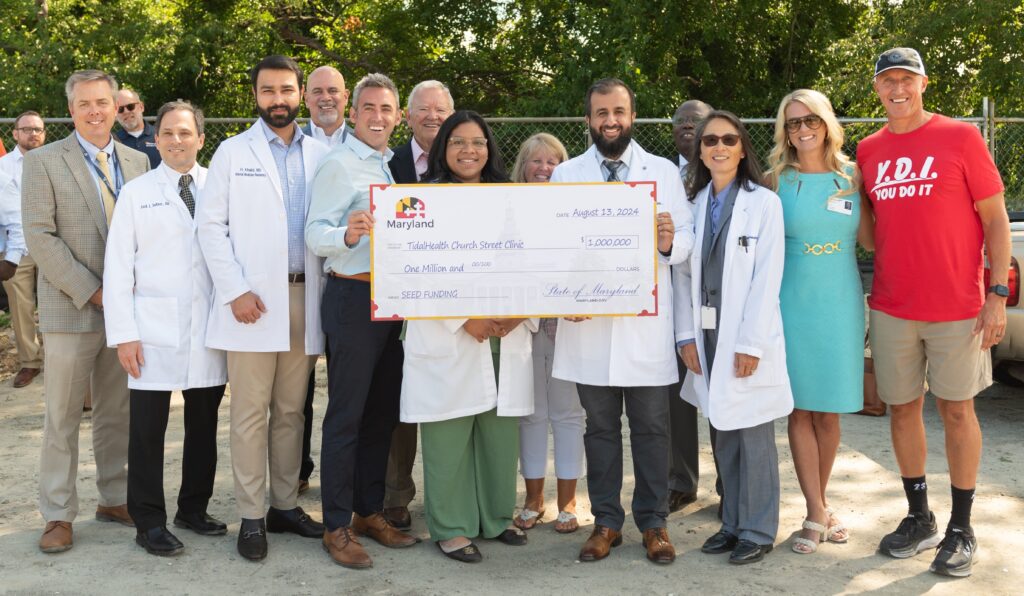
column 928, row 237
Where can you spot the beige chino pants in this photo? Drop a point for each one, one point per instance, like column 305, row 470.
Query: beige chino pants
column 21, row 296
column 273, row 382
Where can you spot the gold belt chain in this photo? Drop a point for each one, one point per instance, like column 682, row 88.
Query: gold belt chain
column 820, row 249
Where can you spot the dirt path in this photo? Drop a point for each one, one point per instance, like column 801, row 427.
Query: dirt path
column 865, row 491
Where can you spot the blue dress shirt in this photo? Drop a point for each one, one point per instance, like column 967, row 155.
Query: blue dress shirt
column 292, row 173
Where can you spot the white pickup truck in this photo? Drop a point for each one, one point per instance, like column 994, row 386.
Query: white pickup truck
column 1008, row 356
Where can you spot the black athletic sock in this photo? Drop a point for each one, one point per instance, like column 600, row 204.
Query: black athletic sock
column 963, row 498
column 917, row 495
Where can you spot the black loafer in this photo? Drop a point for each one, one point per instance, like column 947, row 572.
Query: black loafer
column 720, row 542
column 467, row 554
column 749, row 552
column 252, row 539
column 200, row 523
column 295, row 521
column 159, row 541
column 678, row 499
column 512, row 537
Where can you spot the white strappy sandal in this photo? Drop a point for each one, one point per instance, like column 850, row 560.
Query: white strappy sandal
column 839, row 528
column 811, row 546
column 525, row 516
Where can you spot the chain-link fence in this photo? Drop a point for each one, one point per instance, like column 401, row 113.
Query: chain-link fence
column 1005, row 136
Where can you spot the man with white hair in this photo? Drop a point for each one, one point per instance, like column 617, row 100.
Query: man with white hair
column 429, row 104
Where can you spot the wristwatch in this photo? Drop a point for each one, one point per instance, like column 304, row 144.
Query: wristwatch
column 999, row 290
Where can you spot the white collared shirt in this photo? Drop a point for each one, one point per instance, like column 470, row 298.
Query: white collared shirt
column 318, row 133
column 682, row 166
column 174, row 176
column 12, row 164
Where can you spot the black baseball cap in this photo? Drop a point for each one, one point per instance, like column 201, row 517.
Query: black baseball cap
column 905, row 58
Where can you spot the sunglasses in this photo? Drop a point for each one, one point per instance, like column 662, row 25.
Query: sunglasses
column 128, row 106
column 812, row 122
column 729, row 140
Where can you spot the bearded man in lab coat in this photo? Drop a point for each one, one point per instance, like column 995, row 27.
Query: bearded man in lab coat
column 626, row 360
column 157, row 303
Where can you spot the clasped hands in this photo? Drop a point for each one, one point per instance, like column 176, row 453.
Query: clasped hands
column 482, row 329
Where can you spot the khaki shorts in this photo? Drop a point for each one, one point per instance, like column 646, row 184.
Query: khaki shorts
column 947, row 352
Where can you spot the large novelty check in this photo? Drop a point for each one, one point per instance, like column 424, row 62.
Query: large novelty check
column 513, row 250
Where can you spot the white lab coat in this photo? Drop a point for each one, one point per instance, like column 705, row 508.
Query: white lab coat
column 750, row 321
column 447, row 374
column 156, row 288
column 628, row 351
column 243, row 229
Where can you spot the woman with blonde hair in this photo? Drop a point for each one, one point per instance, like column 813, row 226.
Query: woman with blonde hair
column 821, row 295
column 556, row 402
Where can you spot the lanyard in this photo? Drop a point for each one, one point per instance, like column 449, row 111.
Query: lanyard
column 118, row 179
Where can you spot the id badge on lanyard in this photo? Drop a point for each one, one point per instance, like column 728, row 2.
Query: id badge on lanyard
column 115, row 190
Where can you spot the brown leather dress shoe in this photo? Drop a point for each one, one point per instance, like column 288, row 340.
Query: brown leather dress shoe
column 345, row 550
column 24, row 377
column 399, row 517
column 56, row 537
column 117, row 514
column 600, row 543
column 659, row 548
column 378, row 527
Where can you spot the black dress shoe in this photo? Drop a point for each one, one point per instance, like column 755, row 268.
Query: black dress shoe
column 200, row 523
column 749, row 552
column 512, row 537
column 252, row 539
column 720, row 542
column 159, row 541
column 467, row 554
column 679, row 499
column 295, row 521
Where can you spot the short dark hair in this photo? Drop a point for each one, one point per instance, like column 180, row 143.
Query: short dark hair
column 27, row 113
column 437, row 164
column 747, row 175
column 180, row 104
column 275, row 62
column 604, row 87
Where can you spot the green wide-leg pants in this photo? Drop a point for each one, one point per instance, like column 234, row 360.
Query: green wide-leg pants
column 469, row 475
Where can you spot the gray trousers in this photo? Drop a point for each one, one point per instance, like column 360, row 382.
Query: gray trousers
column 749, row 466
column 648, row 415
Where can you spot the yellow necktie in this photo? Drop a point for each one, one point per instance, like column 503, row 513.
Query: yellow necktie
column 105, row 194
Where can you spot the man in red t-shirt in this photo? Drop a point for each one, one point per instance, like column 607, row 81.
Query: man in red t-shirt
column 938, row 201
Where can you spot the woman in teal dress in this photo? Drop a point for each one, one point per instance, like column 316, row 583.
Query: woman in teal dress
column 821, row 296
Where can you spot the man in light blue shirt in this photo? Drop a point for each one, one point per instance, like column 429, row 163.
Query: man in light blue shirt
column 364, row 378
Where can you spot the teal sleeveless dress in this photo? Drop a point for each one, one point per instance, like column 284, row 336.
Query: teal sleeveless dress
column 821, row 298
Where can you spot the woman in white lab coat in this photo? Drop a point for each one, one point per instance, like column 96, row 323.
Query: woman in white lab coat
column 729, row 331
column 467, row 382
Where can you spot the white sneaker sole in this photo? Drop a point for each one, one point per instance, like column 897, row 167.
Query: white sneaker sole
column 926, row 544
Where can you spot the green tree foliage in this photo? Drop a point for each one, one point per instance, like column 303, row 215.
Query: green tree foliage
column 525, row 58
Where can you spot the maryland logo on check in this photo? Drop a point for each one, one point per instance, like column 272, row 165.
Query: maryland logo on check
column 410, row 207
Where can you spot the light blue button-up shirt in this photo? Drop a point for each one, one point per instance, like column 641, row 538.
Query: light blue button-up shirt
column 341, row 186
column 625, row 158
column 292, row 173
column 112, row 165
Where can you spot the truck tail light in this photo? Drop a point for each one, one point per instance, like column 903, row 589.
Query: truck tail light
column 1013, row 282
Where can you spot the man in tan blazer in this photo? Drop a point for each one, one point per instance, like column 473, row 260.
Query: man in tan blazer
column 69, row 190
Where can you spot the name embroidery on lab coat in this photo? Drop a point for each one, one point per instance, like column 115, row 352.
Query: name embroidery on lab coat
column 251, row 173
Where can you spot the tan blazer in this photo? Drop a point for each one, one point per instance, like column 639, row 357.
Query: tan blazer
column 66, row 231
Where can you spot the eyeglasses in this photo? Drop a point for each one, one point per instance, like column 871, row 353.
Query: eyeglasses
column 128, row 106
column 813, row 122
column 729, row 140
column 30, row 130
column 460, row 143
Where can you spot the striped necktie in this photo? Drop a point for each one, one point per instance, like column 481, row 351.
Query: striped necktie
column 105, row 185
column 613, row 166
